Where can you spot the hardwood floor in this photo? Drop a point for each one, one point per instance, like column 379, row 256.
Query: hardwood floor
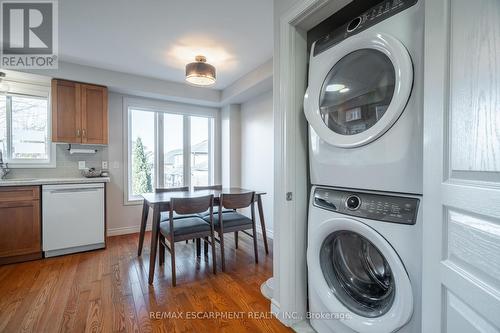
column 107, row 290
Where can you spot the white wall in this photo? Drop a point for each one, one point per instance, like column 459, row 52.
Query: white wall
column 230, row 145
column 257, row 171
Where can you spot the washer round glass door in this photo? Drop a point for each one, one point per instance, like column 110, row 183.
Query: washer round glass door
column 353, row 269
column 358, row 89
column 357, row 273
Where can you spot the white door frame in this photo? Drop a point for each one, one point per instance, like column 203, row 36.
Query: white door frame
column 289, row 301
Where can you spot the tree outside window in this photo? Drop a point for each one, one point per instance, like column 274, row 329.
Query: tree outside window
column 141, row 168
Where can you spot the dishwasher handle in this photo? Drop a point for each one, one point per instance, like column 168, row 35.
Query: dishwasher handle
column 75, row 190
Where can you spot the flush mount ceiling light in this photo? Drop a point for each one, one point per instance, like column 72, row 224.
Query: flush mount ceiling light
column 200, row 73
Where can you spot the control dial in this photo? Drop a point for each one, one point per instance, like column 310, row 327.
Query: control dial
column 353, row 202
column 354, row 24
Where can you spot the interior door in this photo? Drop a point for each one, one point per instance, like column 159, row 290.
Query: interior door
column 461, row 197
column 94, row 114
column 66, row 112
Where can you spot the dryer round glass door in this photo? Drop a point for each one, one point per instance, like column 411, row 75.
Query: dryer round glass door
column 355, row 270
column 358, row 89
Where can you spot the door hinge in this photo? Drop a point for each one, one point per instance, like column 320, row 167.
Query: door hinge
column 289, row 196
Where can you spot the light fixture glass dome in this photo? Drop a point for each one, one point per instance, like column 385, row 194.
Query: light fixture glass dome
column 200, row 73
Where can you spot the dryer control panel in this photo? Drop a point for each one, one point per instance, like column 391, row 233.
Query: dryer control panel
column 367, row 19
column 380, row 207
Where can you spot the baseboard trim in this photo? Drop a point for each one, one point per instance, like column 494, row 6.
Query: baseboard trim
column 269, row 233
column 126, row 230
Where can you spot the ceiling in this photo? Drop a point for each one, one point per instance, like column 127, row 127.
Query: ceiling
column 157, row 38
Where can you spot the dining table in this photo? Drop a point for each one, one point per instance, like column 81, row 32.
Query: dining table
column 160, row 202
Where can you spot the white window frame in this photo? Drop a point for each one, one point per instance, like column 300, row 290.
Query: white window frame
column 34, row 91
column 160, row 108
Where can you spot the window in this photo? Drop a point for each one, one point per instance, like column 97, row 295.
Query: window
column 142, row 152
column 173, row 147
column 25, row 130
column 200, row 151
column 167, row 149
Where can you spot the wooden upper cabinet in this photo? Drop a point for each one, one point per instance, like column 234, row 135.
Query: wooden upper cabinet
column 66, row 112
column 94, row 114
column 79, row 112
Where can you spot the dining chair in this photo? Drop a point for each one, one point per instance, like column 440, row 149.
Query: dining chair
column 181, row 229
column 233, row 221
column 164, row 215
column 216, row 211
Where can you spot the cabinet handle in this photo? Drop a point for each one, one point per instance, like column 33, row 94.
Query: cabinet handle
column 78, row 133
column 84, row 133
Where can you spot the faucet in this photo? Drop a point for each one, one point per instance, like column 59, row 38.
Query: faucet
column 4, row 167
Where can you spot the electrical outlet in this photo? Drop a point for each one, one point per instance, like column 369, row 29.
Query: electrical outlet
column 104, row 165
column 81, row 165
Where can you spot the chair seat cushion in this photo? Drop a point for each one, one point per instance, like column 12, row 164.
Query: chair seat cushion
column 216, row 211
column 185, row 225
column 231, row 219
column 164, row 216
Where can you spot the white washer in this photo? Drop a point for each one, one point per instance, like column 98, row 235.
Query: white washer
column 364, row 101
column 364, row 261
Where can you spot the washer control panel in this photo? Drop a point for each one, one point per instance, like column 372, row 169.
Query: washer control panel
column 374, row 15
column 380, row 207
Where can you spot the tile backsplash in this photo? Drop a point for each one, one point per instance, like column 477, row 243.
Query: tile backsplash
column 66, row 163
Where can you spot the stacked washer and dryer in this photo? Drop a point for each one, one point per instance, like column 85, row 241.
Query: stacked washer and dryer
column 364, row 108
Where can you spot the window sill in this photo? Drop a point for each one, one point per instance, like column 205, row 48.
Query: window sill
column 135, row 202
column 31, row 166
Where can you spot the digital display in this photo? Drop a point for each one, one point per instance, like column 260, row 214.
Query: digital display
column 378, row 207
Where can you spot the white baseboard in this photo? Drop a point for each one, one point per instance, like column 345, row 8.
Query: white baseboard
column 135, row 228
column 286, row 318
column 126, row 230
column 269, row 233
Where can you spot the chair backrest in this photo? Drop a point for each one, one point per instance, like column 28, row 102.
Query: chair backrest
column 191, row 205
column 236, row 201
column 171, row 189
column 210, row 187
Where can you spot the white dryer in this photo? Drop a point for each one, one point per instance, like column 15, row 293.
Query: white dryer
column 364, row 261
column 364, row 101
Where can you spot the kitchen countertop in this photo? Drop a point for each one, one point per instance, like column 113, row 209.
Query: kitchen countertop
column 52, row 181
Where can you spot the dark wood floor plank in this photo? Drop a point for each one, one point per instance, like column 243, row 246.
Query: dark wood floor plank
column 108, row 291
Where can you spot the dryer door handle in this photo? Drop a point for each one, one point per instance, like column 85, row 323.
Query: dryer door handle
column 323, row 203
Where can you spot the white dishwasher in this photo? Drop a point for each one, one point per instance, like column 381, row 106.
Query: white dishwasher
column 72, row 218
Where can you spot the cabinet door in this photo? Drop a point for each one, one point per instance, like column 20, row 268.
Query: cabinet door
column 94, row 114
column 20, row 230
column 66, row 112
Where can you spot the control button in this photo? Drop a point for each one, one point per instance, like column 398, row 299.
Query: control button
column 353, row 202
column 354, row 24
